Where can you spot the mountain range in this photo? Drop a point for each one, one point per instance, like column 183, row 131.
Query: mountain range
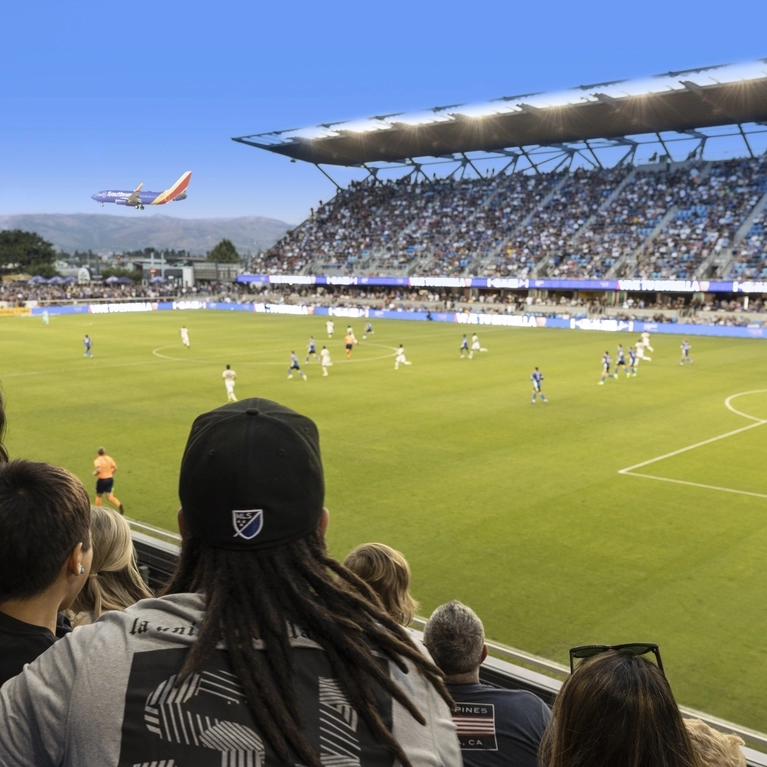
column 117, row 234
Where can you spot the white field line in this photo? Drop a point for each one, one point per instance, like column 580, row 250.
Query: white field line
column 629, row 471
column 245, row 357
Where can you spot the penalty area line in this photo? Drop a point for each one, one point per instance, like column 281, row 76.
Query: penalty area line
column 629, row 471
column 693, row 484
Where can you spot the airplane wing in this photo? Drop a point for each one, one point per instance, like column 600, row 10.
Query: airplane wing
column 177, row 189
column 135, row 199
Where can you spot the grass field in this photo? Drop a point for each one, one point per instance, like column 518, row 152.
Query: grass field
column 518, row 510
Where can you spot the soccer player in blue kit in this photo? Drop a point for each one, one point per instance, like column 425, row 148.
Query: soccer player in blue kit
column 620, row 360
column 537, row 377
column 465, row 347
column 295, row 366
column 311, row 349
column 685, row 346
column 632, row 361
column 606, row 362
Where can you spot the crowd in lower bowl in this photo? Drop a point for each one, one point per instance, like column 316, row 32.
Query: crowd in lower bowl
column 263, row 650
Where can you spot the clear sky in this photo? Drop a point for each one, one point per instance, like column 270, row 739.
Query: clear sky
column 98, row 95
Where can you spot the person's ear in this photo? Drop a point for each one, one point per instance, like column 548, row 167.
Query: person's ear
column 74, row 562
column 484, row 654
column 324, row 521
column 181, row 522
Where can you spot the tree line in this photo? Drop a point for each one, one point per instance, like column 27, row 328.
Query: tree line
column 29, row 253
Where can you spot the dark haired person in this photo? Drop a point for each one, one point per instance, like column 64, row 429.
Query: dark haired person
column 496, row 728
column 45, row 558
column 259, row 653
column 3, row 451
column 617, row 710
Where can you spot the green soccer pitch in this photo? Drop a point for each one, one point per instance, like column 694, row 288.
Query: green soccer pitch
column 519, row 510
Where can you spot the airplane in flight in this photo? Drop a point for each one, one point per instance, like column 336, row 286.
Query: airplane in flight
column 137, row 199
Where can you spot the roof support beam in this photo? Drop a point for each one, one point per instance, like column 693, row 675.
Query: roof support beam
column 337, row 186
column 526, row 155
column 745, row 141
column 593, row 153
column 665, row 148
column 467, row 160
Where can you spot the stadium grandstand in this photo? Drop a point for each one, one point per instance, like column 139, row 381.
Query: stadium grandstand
column 615, row 180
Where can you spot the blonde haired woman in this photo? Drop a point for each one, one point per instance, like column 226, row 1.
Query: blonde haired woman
column 387, row 572
column 114, row 582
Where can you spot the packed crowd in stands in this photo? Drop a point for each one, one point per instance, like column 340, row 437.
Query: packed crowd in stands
column 751, row 255
column 709, row 213
column 621, row 227
column 439, row 226
column 553, row 227
column 211, row 665
column 584, row 224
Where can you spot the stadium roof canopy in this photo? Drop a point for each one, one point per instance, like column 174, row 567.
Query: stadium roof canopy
column 607, row 113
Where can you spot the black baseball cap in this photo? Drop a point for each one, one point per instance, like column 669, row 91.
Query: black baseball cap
column 251, row 476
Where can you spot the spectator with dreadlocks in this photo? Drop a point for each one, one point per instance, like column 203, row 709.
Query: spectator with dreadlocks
column 259, row 648
column 3, row 451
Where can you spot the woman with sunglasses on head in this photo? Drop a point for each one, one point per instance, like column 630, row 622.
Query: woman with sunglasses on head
column 616, row 710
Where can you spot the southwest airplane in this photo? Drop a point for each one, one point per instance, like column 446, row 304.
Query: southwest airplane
column 137, row 199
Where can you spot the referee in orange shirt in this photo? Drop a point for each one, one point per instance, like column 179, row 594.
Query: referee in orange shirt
column 104, row 473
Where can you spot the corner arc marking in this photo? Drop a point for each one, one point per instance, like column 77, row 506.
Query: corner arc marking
column 629, row 470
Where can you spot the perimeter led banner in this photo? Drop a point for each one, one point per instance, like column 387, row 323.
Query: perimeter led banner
column 513, row 283
column 460, row 318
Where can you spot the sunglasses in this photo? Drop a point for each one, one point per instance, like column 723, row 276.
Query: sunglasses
column 634, row 648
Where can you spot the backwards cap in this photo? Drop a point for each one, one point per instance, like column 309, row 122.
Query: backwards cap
column 251, row 476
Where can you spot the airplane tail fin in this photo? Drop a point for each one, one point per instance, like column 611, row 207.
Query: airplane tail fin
column 177, row 189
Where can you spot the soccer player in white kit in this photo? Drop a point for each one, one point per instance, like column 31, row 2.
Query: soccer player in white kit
column 475, row 347
column 325, row 360
column 640, row 347
column 400, row 358
column 646, row 340
column 184, row 336
column 330, row 326
column 229, row 377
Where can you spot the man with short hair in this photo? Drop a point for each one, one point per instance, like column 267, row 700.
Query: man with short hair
column 45, row 558
column 263, row 650
column 496, row 727
column 104, row 471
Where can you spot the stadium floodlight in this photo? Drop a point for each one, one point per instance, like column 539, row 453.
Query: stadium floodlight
column 646, row 87
column 366, row 126
column 422, row 118
column 478, row 111
column 557, row 99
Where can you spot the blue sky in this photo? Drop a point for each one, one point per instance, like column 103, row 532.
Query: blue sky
column 107, row 95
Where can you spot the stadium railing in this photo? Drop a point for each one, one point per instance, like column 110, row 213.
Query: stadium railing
column 505, row 667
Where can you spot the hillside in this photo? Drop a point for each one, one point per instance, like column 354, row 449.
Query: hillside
column 103, row 233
